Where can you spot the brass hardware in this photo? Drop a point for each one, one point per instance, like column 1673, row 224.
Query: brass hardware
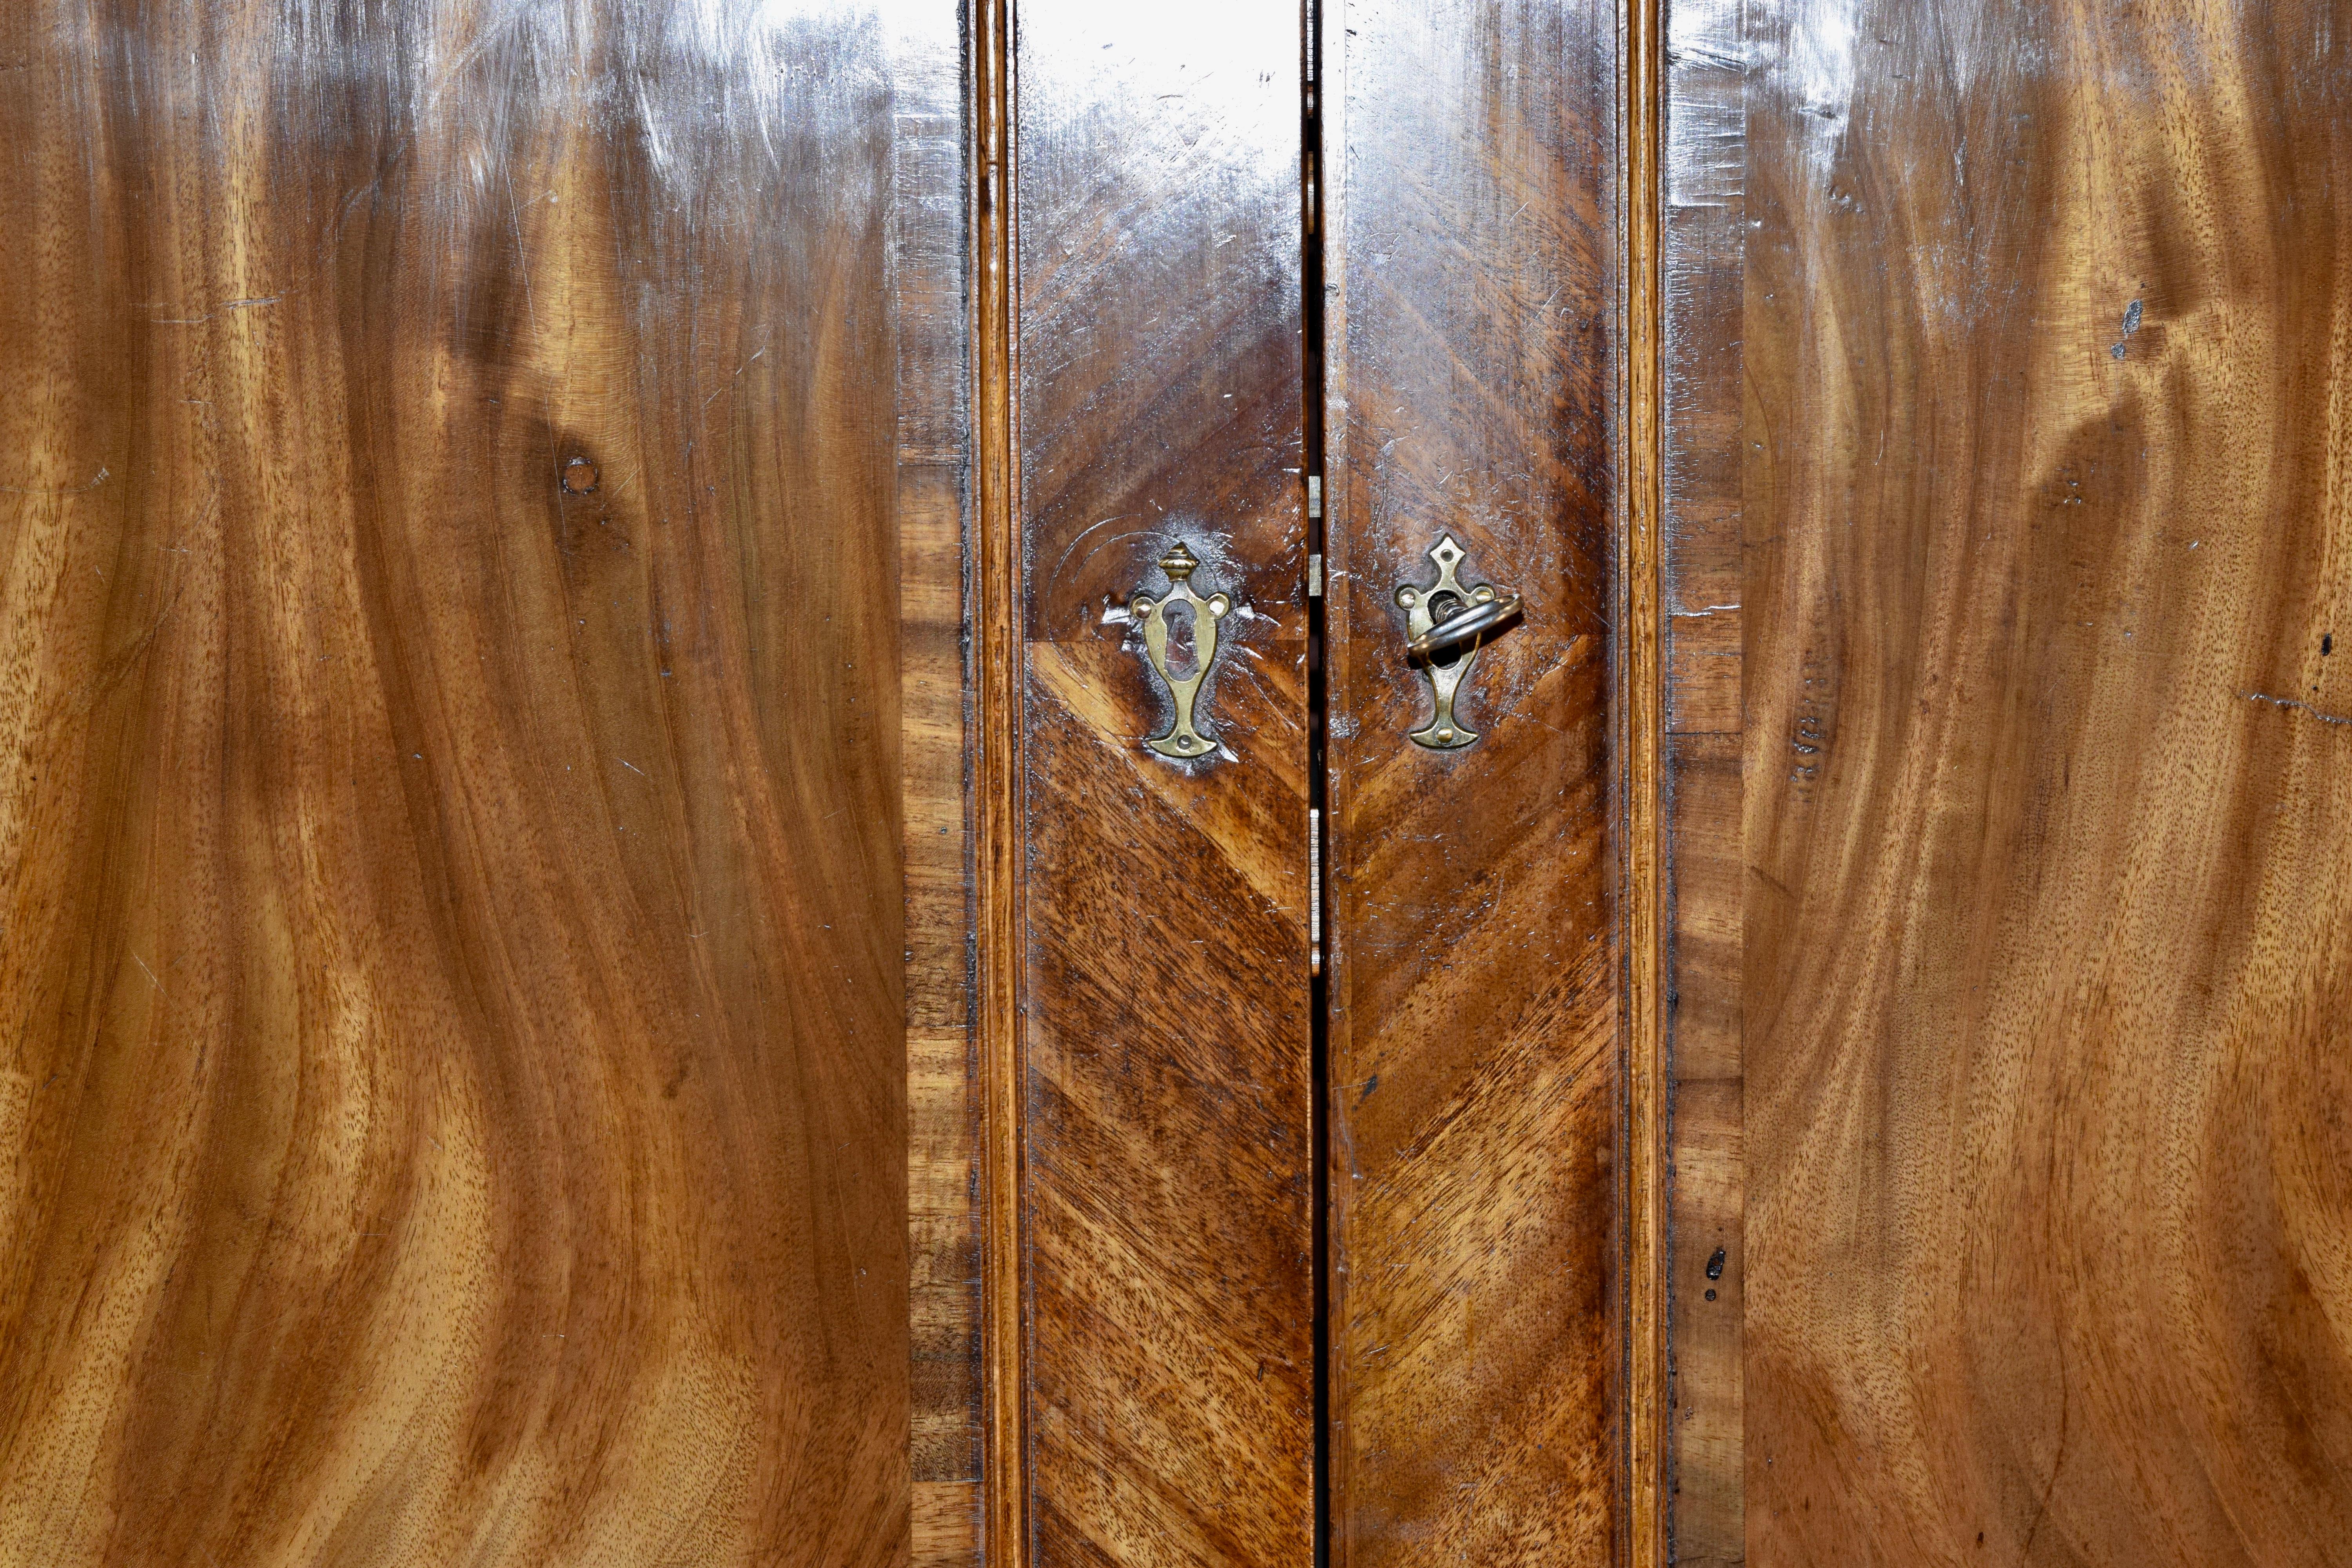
column 1444, row 649
column 1464, row 630
column 1182, row 740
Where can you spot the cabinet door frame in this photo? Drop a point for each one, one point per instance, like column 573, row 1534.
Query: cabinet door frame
column 1007, row 912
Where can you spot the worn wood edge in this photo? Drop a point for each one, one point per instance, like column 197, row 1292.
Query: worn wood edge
column 1642, row 699
column 996, row 597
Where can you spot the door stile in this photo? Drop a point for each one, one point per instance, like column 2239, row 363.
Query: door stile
column 1699, row 265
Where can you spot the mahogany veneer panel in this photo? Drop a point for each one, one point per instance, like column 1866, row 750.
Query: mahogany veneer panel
column 2044, row 968
column 454, row 1100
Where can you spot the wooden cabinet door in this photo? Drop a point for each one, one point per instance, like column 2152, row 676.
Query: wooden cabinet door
column 1009, row 781
column 1154, row 1032
column 1449, row 387
column 1472, row 362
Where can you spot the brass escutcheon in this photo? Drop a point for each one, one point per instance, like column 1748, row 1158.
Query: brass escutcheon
column 1184, row 740
column 1477, row 614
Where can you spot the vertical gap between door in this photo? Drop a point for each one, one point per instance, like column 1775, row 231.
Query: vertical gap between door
column 1317, row 687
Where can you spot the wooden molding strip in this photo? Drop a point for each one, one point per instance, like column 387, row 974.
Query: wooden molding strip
column 1642, row 699
column 996, row 599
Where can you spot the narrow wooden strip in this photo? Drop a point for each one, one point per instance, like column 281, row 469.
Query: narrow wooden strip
column 1708, row 1260
column 1644, row 702
column 932, row 257
column 942, row 1221
column 997, row 593
column 1701, row 181
column 937, row 844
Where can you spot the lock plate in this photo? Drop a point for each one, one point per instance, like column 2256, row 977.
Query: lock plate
column 1184, row 739
column 1486, row 606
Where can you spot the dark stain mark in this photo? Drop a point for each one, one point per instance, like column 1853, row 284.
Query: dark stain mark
column 2326, row 643
column 1710, row 1295
column 1371, row 1084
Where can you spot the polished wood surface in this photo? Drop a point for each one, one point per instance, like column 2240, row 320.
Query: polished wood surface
column 454, row 1094
column 1472, row 236
column 933, row 249
column 1166, row 1174
column 2033, row 783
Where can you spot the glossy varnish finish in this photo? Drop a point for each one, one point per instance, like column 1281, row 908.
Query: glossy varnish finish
column 2044, row 964
column 453, row 1094
column 1472, row 241
column 1165, row 1181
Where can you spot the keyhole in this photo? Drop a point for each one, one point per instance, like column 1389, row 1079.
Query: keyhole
column 1443, row 607
column 1183, row 657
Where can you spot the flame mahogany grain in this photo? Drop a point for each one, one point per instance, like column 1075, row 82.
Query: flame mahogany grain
column 2014, row 944
column 454, row 984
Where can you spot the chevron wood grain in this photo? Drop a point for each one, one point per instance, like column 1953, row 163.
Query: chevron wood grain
column 1166, row 1179
column 1475, row 1062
